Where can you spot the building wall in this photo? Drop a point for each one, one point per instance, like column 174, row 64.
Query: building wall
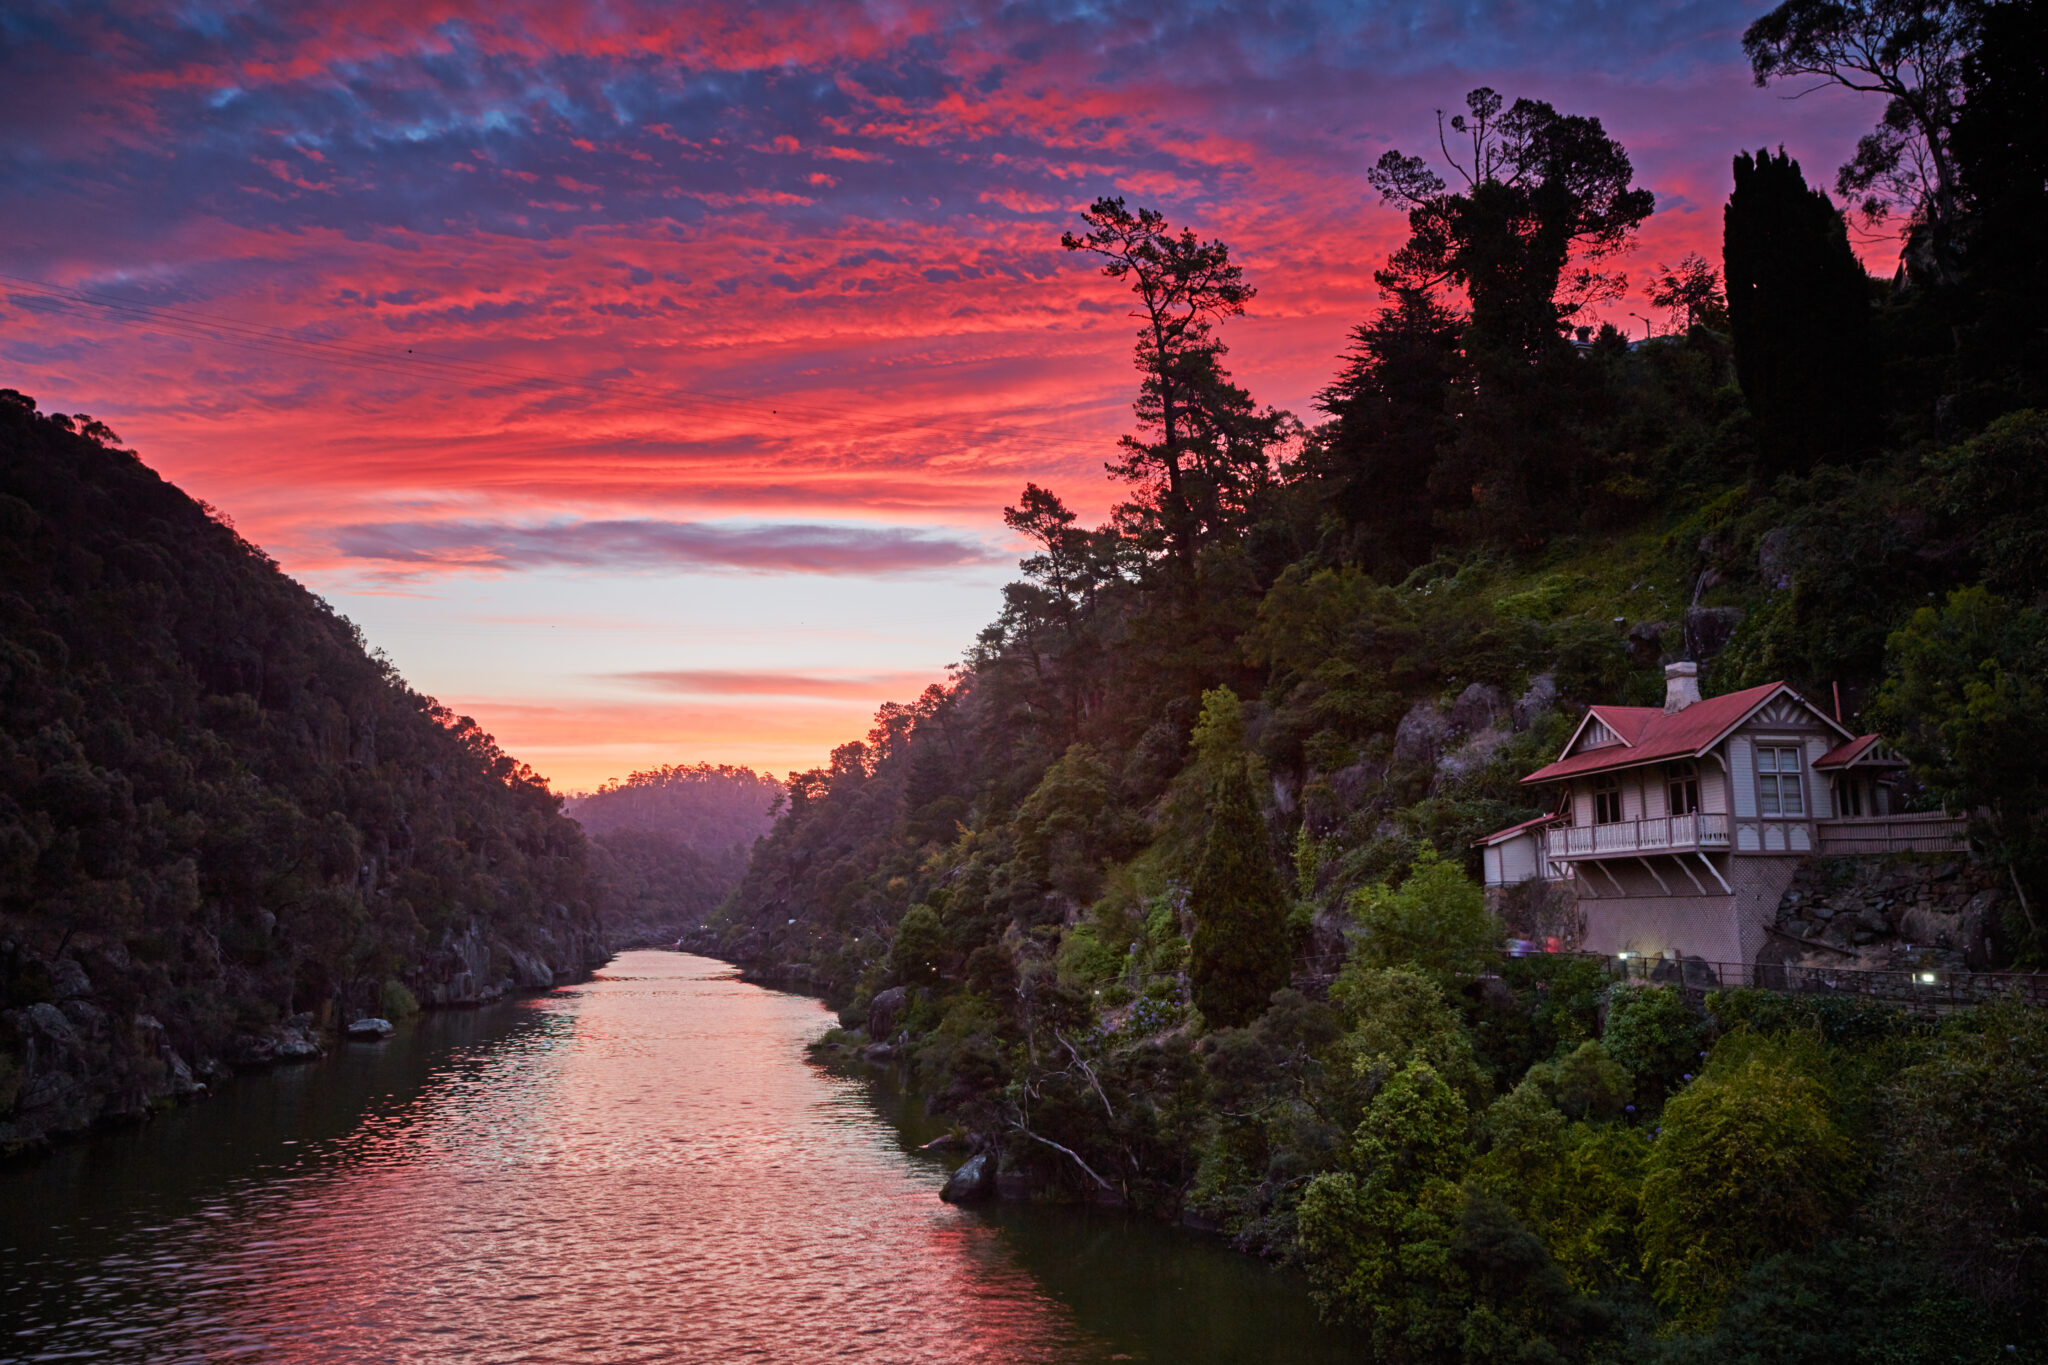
column 1672, row 919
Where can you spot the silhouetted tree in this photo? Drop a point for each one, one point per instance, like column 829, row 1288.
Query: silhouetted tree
column 2001, row 154
column 1910, row 51
column 1540, row 189
column 1691, row 290
column 1799, row 312
column 1208, row 452
column 1388, row 403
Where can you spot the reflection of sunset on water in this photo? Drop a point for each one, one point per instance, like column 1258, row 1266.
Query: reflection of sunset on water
column 645, row 1169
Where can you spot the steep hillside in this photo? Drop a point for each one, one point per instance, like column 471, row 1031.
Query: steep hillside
column 670, row 843
column 226, row 827
column 1169, row 900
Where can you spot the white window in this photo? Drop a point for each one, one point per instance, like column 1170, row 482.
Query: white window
column 1778, row 787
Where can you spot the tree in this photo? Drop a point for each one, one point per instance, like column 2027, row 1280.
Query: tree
column 1240, row 953
column 1799, row 313
column 1910, row 51
column 2001, row 153
column 1378, row 1234
column 1967, row 706
column 1389, row 405
column 919, row 944
column 1436, row 921
column 1691, row 291
column 1965, row 1132
column 1749, row 1163
column 1209, row 450
column 1540, row 189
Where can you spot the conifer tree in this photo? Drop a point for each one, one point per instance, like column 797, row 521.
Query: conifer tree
column 1240, row 954
column 1799, row 312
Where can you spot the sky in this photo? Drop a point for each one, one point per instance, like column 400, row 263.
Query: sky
column 647, row 380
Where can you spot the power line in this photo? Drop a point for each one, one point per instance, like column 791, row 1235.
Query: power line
column 414, row 363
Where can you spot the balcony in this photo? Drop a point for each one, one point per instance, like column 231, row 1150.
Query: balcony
column 1625, row 838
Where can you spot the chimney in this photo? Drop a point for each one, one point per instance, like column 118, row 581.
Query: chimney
column 1681, row 685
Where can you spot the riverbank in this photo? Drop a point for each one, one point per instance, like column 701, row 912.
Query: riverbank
column 640, row 1167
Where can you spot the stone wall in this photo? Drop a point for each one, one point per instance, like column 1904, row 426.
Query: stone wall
column 1883, row 913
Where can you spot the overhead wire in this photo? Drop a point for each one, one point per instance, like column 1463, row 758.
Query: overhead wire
column 412, row 362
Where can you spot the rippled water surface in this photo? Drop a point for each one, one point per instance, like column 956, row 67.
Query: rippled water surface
column 643, row 1167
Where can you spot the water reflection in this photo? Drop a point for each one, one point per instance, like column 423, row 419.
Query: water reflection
column 639, row 1168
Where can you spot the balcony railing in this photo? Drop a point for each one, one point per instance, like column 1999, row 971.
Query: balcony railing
column 1918, row 832
column 1666, row 834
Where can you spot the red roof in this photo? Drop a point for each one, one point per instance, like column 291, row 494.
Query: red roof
column 1855, row 751
column 1502, row 834
column 1649, row 733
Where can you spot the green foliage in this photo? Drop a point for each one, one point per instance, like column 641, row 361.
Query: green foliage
column 395, row 1001
column 215, row 800
column 1240, row 951
column 1967, row 703
column 1435, row 921
column 1652, row 1034
column 1377, row 1235
column 1576, row 1185
column 918, row 951
column 1965, row 1134
column 1749, row 1163
column 1397, row 1014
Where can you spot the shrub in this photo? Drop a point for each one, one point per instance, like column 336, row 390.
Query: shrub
column 1749, row 1162
column 1435, row 921
column 1651, row 1032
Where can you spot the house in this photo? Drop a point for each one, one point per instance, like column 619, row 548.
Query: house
column 1678, row 828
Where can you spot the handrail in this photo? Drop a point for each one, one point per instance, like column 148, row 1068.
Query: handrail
column 1660, row 834
column 1907, row 832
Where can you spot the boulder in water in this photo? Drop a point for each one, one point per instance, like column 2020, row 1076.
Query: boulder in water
column 371, row 1030
column 973, row 1182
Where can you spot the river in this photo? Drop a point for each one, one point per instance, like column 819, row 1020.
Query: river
column 640, row 1167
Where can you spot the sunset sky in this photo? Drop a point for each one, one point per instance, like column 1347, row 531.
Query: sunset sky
column 647, row 380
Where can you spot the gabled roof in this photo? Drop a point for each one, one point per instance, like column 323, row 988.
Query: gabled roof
column 1501, row 836
column 1649, row 734
column 1864, row 749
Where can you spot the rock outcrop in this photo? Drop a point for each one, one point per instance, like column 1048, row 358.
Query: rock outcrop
column 973, row 1182
column 1884, row 913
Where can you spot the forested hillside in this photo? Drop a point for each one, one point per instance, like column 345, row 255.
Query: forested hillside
column 226, row 827
column 670, row 843
column 1236, row 742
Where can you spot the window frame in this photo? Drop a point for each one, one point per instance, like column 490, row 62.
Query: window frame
column 1682, row 787
column 1775, row 783
column 1607, row 798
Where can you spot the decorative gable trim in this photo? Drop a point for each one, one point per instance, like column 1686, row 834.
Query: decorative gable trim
column 1781, row 707
column 1593, row 733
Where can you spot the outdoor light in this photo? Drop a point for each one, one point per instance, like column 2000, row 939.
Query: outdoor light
column 1926, row 978
column 1624, row 956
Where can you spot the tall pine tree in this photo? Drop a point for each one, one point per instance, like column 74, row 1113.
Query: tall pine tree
column 1240, row 954
column 1799, row 312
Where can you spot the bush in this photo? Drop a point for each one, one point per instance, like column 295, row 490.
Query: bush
column 1436, row 921
column 1749, row 1162
column 1651, row 1032
column 397, row 1002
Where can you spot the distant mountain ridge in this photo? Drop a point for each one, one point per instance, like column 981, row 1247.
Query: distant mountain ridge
column 227, row 827
column 672, row 841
